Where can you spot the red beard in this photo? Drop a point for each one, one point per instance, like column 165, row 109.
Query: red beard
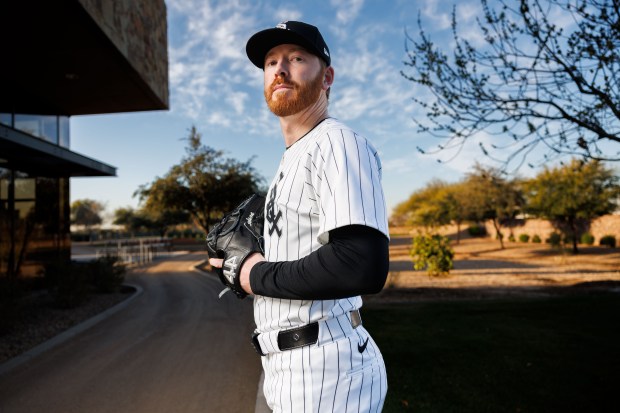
column 303, row 96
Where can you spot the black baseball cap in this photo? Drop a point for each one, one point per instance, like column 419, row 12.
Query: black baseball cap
column 302, row 34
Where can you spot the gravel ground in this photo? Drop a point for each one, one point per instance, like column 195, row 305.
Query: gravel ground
column 41, row 321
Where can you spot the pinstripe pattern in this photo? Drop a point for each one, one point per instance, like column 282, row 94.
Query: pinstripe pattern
column 328, row 179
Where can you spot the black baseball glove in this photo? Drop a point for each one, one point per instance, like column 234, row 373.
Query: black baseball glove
column 235, row 237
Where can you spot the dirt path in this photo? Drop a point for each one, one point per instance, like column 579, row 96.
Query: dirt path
column 175, row 348
column 482, row 269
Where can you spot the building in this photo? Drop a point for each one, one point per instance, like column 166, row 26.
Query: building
column 59, row 59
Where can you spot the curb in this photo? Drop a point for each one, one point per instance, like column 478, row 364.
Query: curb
column 261, row 403
column 17, row 361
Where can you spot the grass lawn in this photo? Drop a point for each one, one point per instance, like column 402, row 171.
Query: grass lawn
column 558, row 354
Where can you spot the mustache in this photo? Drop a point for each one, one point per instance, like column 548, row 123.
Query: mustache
column 279, row 81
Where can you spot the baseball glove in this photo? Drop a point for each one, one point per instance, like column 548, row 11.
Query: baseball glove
column 234, row 238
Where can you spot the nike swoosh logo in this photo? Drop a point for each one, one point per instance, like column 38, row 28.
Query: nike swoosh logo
column 363, row 346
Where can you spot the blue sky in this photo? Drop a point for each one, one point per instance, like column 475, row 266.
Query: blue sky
column 215, row 87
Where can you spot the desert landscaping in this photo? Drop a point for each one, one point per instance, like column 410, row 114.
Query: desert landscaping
column 482, row 269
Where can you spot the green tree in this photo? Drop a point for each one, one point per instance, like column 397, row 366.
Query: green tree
column 534, row 81
column 454, row 198
column 437, row 204
column 86, row 212
column 426, row 207
column 204, row 185
column 125, row 216
column 572, row 195
column 141, row 220
column 487, row 194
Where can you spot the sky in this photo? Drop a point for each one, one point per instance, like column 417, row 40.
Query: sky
column 214, row 87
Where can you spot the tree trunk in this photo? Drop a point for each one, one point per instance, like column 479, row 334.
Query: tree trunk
column 573, row 227
column 498, row 233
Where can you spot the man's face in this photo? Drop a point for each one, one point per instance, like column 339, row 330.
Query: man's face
column 294, row 79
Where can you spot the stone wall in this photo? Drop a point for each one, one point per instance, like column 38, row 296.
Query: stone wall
column 605, row 225
column 138, row 29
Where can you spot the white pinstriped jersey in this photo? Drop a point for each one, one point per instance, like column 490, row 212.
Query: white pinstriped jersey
column 328, row 179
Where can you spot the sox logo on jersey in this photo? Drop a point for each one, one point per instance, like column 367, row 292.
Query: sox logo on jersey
column 327, row 179
column 270, row 215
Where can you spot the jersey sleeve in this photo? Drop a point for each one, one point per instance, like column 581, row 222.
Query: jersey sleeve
column 347, row 179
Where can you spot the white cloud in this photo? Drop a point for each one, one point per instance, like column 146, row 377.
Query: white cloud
column 208, row 66
column 348, row 10
column 282, row 15
column 237, row 101
column 437, row 13
column 219, row 119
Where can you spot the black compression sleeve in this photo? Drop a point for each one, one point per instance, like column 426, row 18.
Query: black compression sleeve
column 354, row 261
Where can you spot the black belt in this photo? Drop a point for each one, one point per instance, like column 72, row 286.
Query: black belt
column 301, row 336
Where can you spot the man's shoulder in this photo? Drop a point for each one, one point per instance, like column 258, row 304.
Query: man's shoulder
column 332, row 130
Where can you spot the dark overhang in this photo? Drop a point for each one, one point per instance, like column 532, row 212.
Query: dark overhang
column 21, row 151
column 58, row 60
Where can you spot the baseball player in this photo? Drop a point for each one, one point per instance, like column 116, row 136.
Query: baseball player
column 325, row 240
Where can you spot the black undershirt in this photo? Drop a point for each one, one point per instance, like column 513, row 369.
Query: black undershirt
column 355, row 261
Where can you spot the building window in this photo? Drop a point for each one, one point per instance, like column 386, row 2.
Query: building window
column 63, row 131
column 34, row 223
column 41, row 126
column 5, row 119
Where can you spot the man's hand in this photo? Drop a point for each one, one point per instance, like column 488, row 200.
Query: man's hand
column 244, row 273
column 234, row 240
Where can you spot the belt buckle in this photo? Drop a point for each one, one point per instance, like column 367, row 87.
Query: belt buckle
column 256, row 344
column 356, row 318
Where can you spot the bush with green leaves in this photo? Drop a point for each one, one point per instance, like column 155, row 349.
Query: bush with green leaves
column 433, row 253
column 536, row 239
column 70, row 282
column 587, row 238
column 512, row 238
column 555, row 239
column 608, row 240
column 67, row 283
column 524, row 238
column 107, row 274
column 476, row 230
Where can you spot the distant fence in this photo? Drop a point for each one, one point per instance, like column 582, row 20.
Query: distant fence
column 135, row 251
column 599, row 227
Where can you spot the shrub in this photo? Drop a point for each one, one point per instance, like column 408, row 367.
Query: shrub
column 526, row 238
column 511, row 238
column 587, row 238
column 107, row 274
column 476, row 231
column 608, row 240
column 433, row 253
column 536, row 239
column 66, row 282
column 554, row 239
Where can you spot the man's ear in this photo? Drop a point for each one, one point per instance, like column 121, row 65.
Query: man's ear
column 328, row 78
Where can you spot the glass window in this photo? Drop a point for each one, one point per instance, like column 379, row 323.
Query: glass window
column 28, row 124
column 49, row 128
column 24, row 188
column 4, row 184
column 5, row 119
column 41, row 126
column 63, row 129
column 24, row 209
column 35, row 231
